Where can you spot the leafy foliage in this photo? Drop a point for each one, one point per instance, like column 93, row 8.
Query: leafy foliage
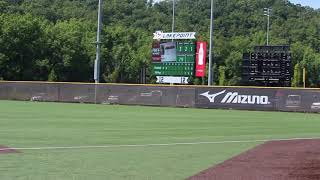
column 54, row 39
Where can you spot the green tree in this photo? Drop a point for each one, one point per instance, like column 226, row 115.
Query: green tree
column 125, row 52
column 22, row 39
column 233, row 68
column 311, row 63
column 222, row 75
column 61, row 45
column 297, row 76
column 71, row 50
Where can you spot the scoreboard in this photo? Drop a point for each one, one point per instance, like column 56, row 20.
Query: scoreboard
column 174, row 58
column 177, row 56
column 268, row 66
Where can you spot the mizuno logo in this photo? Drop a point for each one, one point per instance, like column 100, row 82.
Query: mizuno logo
column 236, row 98
column 212, row 97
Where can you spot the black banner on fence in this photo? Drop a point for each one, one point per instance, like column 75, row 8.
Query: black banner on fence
column 146, row 95
column 236, row 98
column 297, row 100
column 300, row 100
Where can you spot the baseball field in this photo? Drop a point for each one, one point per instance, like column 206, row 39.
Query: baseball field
column 84, row 141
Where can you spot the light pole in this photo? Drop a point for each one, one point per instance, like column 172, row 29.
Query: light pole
column 98, row 44
column 210, row 78
column 173, row 16
column 267, row 12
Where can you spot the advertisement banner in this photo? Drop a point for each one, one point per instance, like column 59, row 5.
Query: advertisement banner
column 298, row 100
column 201, row 57
column 236, row 98
column 168, row 52
column 156, row 56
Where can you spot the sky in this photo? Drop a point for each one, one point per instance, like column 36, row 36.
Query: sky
column 312, row 3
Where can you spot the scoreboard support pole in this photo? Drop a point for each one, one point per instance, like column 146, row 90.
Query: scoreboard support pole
column 304, row 77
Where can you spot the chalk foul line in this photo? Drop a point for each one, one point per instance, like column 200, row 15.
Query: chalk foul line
column 155, row 145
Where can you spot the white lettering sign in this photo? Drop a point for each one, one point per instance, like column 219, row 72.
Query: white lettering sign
column 158, row 35
column 235, row 98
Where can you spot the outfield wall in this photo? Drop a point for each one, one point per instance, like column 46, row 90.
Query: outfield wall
column 249, row 98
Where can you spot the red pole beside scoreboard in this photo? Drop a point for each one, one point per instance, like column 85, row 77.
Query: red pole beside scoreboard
column 201, row 57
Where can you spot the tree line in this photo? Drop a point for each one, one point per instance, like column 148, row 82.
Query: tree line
column 54, row 40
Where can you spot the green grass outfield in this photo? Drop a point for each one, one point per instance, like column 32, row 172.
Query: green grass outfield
column 28, row 124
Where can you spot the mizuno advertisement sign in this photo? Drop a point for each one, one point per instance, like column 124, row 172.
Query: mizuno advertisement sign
column 235, row 98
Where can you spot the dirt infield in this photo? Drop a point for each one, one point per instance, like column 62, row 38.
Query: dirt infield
column 7, row 150
column 276, row 160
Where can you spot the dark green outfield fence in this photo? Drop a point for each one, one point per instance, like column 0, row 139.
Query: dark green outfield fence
column 274, row 99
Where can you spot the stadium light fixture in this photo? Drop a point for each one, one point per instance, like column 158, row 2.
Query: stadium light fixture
column 173, row 15
column 267, row 12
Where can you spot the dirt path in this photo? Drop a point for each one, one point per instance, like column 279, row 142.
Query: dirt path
column 7, row 150
column 277, row 160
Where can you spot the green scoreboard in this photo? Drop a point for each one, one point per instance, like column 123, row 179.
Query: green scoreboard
column 174, row 58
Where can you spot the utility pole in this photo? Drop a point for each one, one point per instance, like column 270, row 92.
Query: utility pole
column 173, row 15
column 98, row 44
column 98, row 52
column 210, row 75
column 267, row 12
